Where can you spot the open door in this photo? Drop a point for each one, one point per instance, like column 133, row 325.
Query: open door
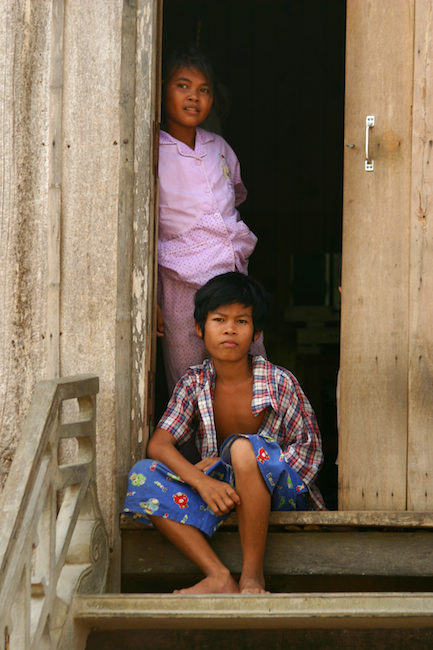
column 386, row 368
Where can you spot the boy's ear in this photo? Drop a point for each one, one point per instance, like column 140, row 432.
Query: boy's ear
column 256, row 335
column 198, row 330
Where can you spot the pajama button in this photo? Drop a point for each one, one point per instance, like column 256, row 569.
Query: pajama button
column 198, row 163
column 227, row 243
column 207, row 189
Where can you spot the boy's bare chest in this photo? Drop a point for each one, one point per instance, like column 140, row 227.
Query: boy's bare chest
column 232, row 412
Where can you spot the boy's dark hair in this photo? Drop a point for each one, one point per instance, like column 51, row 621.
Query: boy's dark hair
column 193, row 57
column 228, row 288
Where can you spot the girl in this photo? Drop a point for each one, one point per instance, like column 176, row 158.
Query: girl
column 200, row 234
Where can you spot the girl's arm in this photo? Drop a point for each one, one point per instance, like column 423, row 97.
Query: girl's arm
column 219, row 496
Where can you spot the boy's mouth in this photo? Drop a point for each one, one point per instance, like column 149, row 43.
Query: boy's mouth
column 229, row 343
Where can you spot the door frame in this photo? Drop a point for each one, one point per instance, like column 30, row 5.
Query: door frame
column 135, row 354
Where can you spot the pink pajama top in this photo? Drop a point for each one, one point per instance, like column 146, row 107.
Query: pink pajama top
column 200, row 233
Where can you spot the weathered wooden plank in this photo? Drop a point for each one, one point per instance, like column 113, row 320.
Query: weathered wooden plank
column 144, row 249
column 376, row 207
column 420, row 439
column 55, row 190
column 321, row 553
column 123, row 353
column 375, row 518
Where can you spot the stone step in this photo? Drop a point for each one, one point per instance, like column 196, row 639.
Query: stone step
column 268, row 611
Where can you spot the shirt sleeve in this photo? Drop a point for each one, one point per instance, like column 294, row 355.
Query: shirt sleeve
column 179, row 414
column 302, row 443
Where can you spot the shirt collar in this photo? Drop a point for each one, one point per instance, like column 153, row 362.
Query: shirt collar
column 202, row 137
column 263, row 389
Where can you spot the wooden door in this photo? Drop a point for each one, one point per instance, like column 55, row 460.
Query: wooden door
column 376, row 252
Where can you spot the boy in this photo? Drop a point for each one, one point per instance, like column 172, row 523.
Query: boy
column 258, row 419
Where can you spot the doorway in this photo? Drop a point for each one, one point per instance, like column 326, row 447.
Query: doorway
column 283, row 65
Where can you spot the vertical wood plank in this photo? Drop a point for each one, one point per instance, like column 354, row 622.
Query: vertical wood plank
column 55, row 191
column 375, row 273
column 420, row 438
column 143, row 224
column 153, row 238
column 137, row 231
column 123, row 352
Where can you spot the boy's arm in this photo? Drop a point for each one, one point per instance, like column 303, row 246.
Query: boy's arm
column 219, row 496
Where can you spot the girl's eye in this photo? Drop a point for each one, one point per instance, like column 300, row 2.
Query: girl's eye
column 181, row 85
column 204, row 90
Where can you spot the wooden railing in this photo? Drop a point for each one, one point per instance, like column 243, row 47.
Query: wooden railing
column 53, row 541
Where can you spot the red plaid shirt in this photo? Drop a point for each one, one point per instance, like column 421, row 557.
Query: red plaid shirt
column 289, row 420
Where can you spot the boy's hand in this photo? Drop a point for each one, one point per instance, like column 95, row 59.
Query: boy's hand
column 205, row 463
column 159, row 322
column 219, row 496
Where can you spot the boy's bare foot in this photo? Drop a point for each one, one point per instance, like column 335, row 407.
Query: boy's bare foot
column 213, row 584
column 252, row 585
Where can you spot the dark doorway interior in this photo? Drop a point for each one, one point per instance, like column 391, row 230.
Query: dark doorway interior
column 283, row 64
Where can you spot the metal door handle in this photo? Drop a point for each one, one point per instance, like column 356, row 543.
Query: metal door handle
column 369, row 164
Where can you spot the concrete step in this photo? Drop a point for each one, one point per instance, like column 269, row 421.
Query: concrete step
column 270, row 611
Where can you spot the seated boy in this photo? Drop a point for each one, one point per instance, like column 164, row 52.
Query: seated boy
column 257, row 437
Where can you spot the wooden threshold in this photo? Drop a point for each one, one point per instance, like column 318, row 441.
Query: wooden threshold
column 267, row 611
column 376, row 519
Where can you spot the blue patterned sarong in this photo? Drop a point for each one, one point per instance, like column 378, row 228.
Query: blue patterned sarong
column 154, row 490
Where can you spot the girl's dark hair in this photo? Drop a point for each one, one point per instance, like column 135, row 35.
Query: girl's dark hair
column 193, row 57
column 227, row 289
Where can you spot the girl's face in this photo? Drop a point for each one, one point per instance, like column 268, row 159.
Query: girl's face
column 188, row 99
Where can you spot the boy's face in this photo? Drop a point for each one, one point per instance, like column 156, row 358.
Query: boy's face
column 229, row 332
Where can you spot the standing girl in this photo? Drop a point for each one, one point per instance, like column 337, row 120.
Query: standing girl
column 200, row 231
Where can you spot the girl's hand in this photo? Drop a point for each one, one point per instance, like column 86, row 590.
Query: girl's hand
column 159, row 322
column 219, row 496
column 205, row 463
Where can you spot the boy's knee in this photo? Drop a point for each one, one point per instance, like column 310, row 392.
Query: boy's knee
column 242, row 455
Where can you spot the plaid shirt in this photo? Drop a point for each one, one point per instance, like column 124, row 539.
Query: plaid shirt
column 289, row 420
